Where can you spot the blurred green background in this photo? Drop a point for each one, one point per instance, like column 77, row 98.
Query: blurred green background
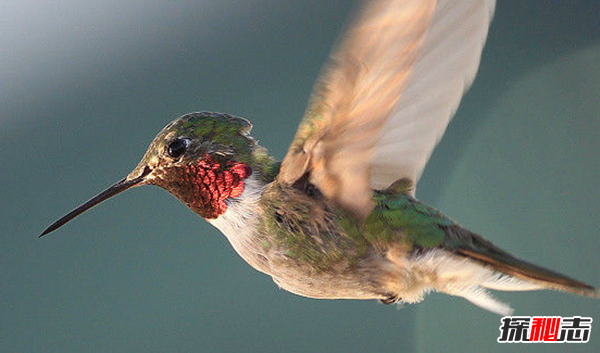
column 85, row 86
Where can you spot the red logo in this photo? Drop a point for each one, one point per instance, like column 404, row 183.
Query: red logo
column 545, row 329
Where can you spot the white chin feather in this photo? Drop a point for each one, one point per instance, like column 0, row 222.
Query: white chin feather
column 240, row 216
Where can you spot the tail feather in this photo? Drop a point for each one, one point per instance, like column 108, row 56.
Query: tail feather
column 536, row 275
column 470, row 274
column 466, row 243
column 483, row 299
column 504, row 282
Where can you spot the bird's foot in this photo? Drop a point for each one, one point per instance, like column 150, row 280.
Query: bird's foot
column 391, row 299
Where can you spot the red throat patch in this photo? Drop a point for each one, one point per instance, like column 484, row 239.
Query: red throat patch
column 209, row 183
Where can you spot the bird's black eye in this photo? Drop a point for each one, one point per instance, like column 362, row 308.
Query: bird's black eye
column 177, row 148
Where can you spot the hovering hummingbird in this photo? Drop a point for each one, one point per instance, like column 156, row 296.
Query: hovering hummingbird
column 338, row 218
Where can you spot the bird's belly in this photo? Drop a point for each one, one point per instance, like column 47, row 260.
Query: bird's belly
column 303, row 279
column 338, row 282
column 323, row 288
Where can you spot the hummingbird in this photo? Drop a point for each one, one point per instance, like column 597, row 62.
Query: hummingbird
column 338, row 218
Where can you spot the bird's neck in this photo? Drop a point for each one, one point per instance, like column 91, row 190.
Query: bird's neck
column 241, row 211
column 240, row 222
column 205, row 185
column 209, row 185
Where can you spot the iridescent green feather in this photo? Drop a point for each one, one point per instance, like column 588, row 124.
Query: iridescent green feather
column 231, row 132
column 398, row 218
column 403, row 214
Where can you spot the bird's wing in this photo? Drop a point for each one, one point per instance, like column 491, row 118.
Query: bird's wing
column 446, row 67
column 386, row 95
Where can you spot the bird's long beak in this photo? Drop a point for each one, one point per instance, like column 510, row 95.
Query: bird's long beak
column 117, row 188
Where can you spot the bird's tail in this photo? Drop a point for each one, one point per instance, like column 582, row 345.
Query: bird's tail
column 537, row 277
column 498, row 270
column 524, row 275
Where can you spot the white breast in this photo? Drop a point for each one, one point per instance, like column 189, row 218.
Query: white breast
column 240, row 223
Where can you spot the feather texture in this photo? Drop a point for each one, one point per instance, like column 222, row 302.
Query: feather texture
column 445, row 69
column 355, row 96
column 386, row 96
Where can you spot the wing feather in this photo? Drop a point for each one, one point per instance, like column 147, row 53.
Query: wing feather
column 358, row 91
column 386, row 96
column 445, row 69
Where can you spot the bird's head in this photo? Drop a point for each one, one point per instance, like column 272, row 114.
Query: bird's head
column 203, row 159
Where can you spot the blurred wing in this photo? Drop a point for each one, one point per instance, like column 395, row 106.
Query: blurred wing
column 445, row 69
column 348, row 141
column 354, row 97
